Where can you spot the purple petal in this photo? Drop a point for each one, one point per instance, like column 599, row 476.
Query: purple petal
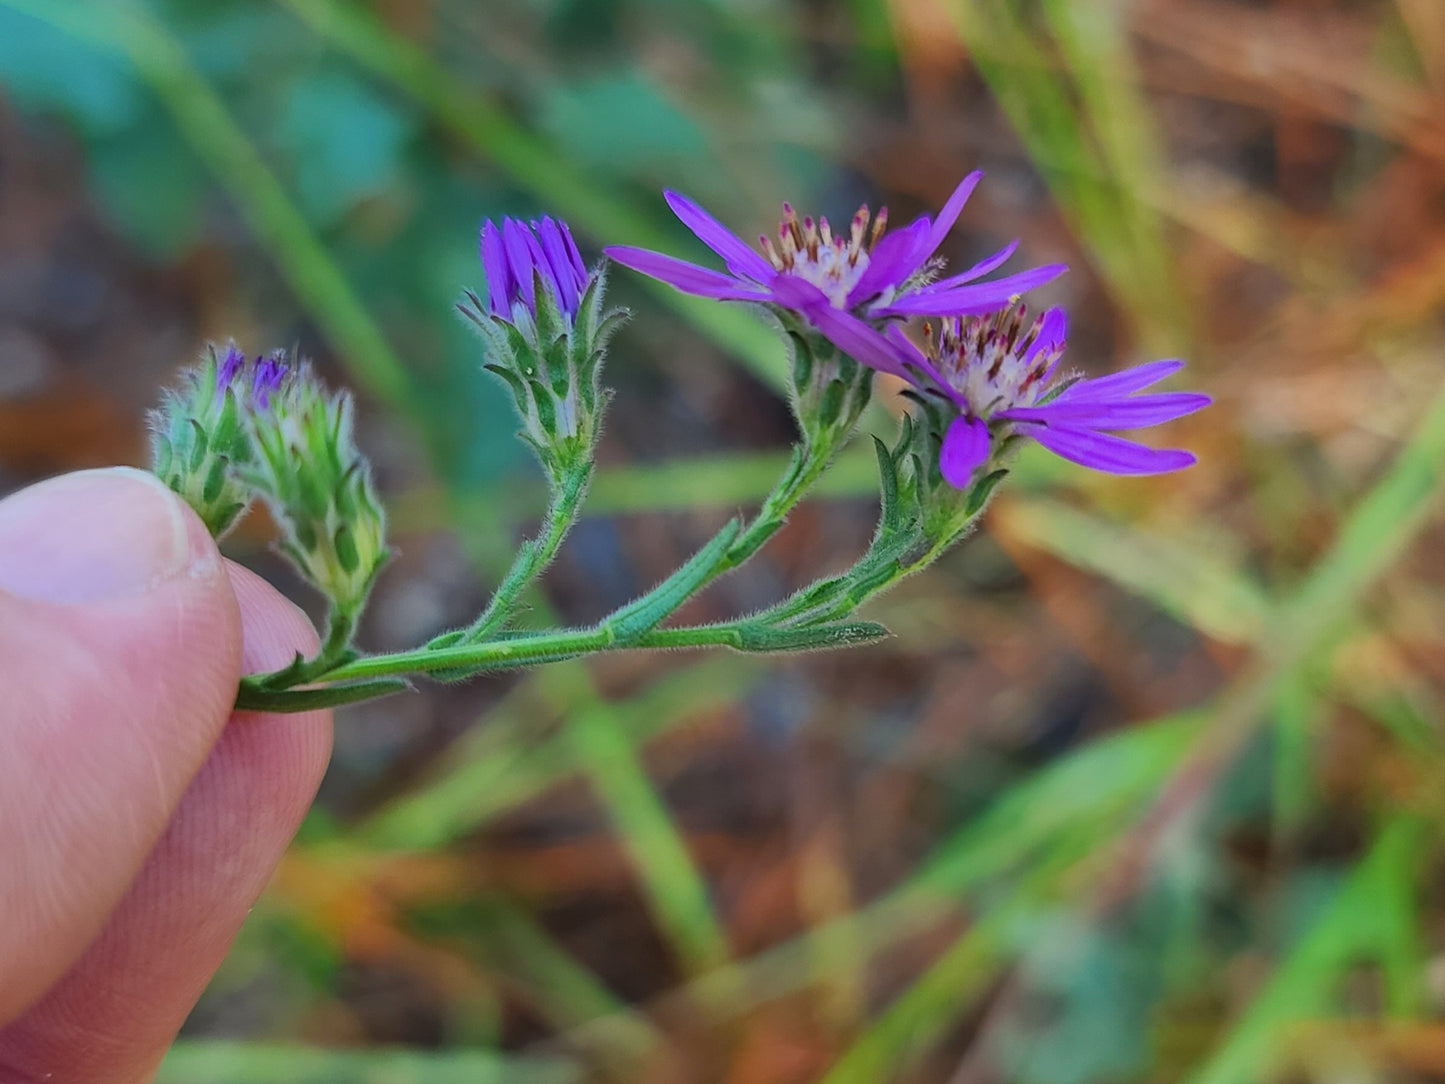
column 949, row 215
column 578, row 267
column 891, row 263
column 965, row 449
column 559, row 260
column 494, row 264
column 515, row 240
column 978, row 270
column 1122, row 383
column 972, row 300
column 741, row 258
column 848, row 333
column 1053, row 335
column 687, row 277
column 1101, row 451
column 1127, row 413
column 914, row 359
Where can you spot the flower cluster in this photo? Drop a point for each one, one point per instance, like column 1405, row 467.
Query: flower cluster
column 986, row 373
column 986, row 377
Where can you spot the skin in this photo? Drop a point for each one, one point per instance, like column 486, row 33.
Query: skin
column 139, row 817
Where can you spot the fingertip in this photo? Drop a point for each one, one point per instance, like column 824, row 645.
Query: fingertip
column 117, row 1010
column 120, row 649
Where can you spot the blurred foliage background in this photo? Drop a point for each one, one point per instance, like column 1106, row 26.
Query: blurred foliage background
column 1148, row 785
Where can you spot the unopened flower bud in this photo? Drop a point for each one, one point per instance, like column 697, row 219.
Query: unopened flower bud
column 317, row 484
column 546, row 335
column 200, row 444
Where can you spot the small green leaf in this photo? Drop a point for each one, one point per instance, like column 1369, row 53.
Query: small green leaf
column 655, row 606
column 254, row 697
column 815, row 638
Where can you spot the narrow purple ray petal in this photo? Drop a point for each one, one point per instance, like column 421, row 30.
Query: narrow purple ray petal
column 940, row 228
column 890, row 264
column 1127, row 413
column 579, row 269
column 519, row 256
column 741, row 258
column 965, row 449
column 560, row 265
column 687, row 277
column 500, row 286
column 855, row 338
column 1100, row 451
column 1122, row 383
column 1053, row 335
column 913, row 359
column 978, row 270
column 794, row 293
column 969, row 300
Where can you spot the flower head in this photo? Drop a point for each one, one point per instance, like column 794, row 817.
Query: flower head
column 546, row 334
column 999, row 376
column 519, row 259
column 846, row 284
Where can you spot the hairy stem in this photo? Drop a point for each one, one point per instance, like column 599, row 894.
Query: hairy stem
column 531, row 560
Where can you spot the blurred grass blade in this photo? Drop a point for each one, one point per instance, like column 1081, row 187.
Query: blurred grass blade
column 1188, row 582
column 676, row 891
column 1304, row 983
column 496, row 767
column 554, row 182
column 1295, row 710
column 565, row 992
column 239, row 169
column 202, row 1062
column 1090, row 793
column 1088, row 138
column 946, row 992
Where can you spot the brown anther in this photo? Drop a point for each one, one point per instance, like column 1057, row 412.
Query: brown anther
column 824, row 231
column 771, row 252
column 859, row 227
column 879, row 225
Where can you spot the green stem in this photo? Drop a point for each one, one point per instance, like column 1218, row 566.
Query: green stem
column 806, row 467
column 531, row 560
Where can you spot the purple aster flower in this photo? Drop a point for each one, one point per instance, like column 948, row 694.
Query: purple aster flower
column 844, row 284
column 518, row 258
column 1000, row 374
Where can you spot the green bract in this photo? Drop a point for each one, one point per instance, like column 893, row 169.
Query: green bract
column 199, row 439
column 319, row 489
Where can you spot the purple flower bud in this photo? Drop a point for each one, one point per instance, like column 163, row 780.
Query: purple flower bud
column 516, row 256
column 229, row 367
column 268, row 376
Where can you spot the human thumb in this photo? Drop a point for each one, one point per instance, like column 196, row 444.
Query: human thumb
column 120, row 649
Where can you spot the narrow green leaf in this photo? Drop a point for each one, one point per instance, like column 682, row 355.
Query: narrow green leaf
column 655, row 606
